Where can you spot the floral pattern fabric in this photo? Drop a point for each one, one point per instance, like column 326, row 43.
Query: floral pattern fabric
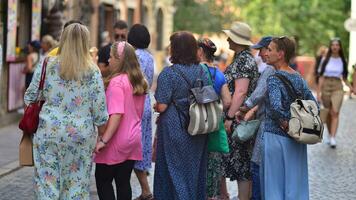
column 147, row 66
column 66, row 135
column 237, row 163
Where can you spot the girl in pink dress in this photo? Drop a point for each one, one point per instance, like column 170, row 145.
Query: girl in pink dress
column 119, row 146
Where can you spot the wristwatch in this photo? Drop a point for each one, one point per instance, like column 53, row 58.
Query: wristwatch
column 229, row 118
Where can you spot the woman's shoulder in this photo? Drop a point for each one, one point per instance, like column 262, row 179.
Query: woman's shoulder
column 121, row 79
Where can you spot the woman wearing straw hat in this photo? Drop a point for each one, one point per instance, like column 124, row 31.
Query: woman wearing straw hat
column 241, row 76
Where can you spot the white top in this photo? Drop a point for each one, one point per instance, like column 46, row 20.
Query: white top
column 334, row 68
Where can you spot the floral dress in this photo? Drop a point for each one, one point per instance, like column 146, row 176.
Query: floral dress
column 237, row 163
column 147, row 66
column 66, row 135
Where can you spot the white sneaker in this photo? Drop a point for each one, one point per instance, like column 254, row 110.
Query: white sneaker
column 332, row 142
column 327, row 139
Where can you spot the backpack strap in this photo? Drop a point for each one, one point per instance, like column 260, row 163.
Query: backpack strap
column 288, row 85
column 182, row 75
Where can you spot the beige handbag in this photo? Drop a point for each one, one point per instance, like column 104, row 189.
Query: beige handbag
column 26, row 151
column 305, row 125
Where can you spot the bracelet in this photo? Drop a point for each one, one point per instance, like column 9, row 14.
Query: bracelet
column 229, row 118
column 101, row 140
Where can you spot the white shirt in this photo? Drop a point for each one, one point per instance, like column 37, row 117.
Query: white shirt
column 334, row 68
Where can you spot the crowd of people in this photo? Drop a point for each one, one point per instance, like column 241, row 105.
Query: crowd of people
column 98, row 109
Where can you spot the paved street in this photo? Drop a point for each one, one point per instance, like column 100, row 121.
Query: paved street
column 332, row 172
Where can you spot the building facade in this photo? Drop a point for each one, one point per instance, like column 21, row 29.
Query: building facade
column 24, row 20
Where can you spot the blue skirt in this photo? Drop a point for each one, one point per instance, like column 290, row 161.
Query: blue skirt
column 284, row 169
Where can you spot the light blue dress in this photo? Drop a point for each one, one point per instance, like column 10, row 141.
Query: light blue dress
column 64, row 142
column 147, row 66
column 285, row 163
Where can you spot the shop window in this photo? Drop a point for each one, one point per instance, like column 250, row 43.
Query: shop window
column 159, row 30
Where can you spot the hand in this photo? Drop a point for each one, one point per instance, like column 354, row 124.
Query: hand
column 99, row 145
column 284, row 126
column 227, row 125
column 249, row 115
column 239, row 116
column 244, row 109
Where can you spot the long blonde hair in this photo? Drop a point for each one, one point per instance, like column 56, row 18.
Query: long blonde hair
column 73, row 52
column 128, row 64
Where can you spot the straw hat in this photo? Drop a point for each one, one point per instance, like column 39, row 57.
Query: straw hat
column 240, row 33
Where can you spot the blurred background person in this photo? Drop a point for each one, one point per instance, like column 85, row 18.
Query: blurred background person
column 333, row 72
column 94, row 54
column 47, row 44
column 32, row 59
column 140, row 39
column 322, row 51
column 119, row 34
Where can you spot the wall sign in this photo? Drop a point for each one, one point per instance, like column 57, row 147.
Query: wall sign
column 11, row 30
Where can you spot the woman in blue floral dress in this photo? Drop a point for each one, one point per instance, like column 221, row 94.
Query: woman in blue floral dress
column 139, row 37
column 285, row 162
column 74, row 106
column 181, row 161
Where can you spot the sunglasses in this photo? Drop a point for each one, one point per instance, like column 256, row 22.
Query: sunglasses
column 120, row 36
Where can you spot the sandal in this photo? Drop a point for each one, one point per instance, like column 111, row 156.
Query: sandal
column 147, row 197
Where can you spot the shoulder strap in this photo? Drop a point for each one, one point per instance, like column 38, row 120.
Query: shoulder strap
column 207, row 71
column 182, row 75
column 288, row 85
column 43, row 74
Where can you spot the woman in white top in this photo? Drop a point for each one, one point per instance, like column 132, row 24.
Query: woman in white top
column 332, row 71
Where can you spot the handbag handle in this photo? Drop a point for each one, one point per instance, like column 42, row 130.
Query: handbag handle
column 43, row 76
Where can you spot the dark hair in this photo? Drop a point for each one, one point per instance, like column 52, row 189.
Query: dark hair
column 208, row 47
column 184, row 48
column 120, row 24
column 139, row 37
column 286, row 45
column 36, row 45
column 342, row 56
column 71, row 22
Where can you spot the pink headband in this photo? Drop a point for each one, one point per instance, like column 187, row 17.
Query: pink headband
column 120, row 49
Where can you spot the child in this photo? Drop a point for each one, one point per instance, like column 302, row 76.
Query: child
column 120, row 144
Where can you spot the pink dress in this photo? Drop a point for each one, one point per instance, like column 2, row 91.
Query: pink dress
column 126, row 142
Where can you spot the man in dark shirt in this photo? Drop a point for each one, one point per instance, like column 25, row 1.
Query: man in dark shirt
column 119, row 34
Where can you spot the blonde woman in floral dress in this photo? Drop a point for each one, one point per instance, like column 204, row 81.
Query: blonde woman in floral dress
column 74, row 106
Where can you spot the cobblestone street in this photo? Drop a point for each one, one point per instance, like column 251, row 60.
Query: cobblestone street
column 332, row 172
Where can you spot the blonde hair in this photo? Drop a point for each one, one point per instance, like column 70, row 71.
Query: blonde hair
column 128, row 64
column 48, row 39
column 73, row 52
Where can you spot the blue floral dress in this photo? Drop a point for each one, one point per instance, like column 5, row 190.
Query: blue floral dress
column 66, row 135
column 181, row 161
column 147, row 66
